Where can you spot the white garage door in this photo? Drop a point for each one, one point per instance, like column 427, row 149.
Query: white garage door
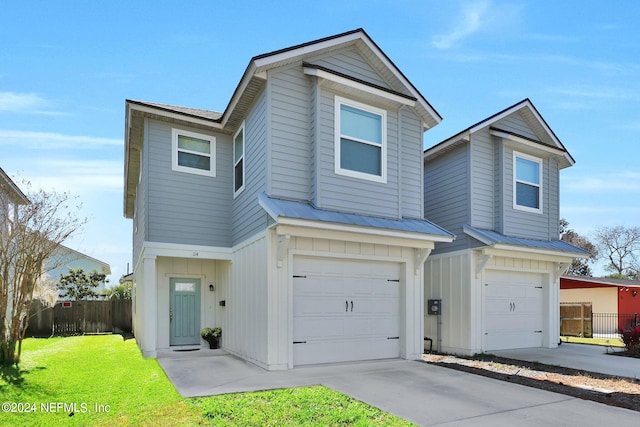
column 514, row 310
column 345, row 310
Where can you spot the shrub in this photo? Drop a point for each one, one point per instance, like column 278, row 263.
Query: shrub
column 631, row 339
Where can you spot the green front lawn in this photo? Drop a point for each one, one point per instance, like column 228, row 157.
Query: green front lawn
column 103, row 380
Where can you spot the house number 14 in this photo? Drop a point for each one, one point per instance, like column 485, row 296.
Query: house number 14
column 194, row 253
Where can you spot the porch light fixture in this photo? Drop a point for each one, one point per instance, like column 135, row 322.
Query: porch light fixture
column 211, row 287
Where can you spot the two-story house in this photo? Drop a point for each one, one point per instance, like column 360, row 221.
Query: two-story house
column 496, row 186
column 63, row 258
column 10, row 197
column 293, row 219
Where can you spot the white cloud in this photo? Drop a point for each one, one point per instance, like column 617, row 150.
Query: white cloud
column 30, row 103
column 50, row 140
column 473, row 15
column 626, row 182
column 80, row 177
column 602, row 92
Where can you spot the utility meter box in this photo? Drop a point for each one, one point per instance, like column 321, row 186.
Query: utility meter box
column 434, row 306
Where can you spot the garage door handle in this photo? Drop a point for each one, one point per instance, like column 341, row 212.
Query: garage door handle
column 352, row 305
column 346, row 306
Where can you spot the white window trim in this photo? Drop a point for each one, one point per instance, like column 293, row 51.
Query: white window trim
column 244, row 163
column 355, row 174
column 540, row 185
column 174, row 153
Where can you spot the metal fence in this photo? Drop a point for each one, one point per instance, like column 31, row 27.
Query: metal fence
column 608, row 324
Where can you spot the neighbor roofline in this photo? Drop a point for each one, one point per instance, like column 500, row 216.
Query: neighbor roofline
column 20, row 195
column 465, row 134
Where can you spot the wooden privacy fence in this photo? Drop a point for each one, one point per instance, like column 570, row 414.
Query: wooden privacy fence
column 576, row 319
column 79, row 318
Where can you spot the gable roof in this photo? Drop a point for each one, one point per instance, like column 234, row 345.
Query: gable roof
column 548, row 142
column 10, row 188
column 283, row 210
column 255, row 73
column 501, row 241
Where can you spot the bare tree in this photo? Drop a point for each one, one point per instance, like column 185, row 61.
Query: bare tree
column 30, row 234
column 579, row 266
column 619, row 245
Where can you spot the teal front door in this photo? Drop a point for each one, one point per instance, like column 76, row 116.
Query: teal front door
column 184, row 311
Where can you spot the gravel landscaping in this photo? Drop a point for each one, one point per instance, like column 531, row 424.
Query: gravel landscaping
column 607, row 389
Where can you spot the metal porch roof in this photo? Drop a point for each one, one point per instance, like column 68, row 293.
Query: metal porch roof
column 305, row 211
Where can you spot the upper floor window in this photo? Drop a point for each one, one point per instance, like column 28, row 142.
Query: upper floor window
column 527, row 182
column 361, row 141
column 193, row 152
column 238, row 161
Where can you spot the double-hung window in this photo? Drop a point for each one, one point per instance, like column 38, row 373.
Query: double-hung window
column 238, row 161
column 361, row 142
column 193, row 152
column 527, row 182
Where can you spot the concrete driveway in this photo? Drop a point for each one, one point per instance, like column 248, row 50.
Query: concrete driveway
column 421, row 393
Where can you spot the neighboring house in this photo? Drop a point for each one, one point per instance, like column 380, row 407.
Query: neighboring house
column 608, row 296
column 66, row 258
column 294, row 219
column 495, row 185
column 10, row 197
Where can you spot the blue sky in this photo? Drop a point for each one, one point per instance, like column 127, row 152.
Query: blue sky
column 65, row 76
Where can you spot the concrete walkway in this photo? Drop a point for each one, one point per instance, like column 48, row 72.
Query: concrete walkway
column 424, row 394
column 591, row 358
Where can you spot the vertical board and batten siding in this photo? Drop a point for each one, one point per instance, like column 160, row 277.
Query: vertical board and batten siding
column 186, row 208
column 247, row 217
column 448, row 277
column 246, row 308
column 446, row 200
column 411, row 177
column 290, row 134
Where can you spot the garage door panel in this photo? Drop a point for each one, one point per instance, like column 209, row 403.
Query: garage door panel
column 513, row 310
column 345, row 310
column 315, row 328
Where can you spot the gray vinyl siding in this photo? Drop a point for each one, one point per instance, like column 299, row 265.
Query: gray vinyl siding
column 410, row 192
column 482, row 195
column 446, row 200
column 248, row 217
column 522, row 223
column 186, row 208
column 290, row 134
column 338, row 192
column 314, row 101
column 351, row 63
column 516, row 123
column 302, row 161
column 348, row 194
column 140, row 208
